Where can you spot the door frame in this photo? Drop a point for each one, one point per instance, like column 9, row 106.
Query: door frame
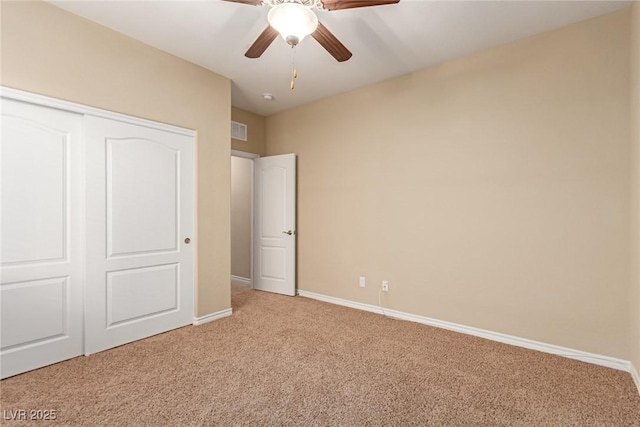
column 252, row 157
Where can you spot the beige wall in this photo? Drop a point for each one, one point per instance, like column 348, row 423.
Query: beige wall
column 51, row 52
column 635, row 187
column 241, row 190
column 255, row 132
column 491, row 191
column 241, row 176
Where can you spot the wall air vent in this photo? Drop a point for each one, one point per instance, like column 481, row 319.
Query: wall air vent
column 238, row 131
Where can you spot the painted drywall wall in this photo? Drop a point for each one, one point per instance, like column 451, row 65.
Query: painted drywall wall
column 255, row 132
column 49, row 51
column 491, row 191
column 241, row 176
column 634, row 296
column 241, row 190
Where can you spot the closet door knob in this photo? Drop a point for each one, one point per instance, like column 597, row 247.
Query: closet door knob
column 187, row 240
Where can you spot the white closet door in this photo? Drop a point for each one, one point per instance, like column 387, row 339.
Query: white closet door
column 41, row 258
column 140, row 277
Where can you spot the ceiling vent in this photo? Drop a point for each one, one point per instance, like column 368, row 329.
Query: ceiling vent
column 238, row 131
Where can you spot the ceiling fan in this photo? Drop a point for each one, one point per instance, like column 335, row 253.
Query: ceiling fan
column 295, row 19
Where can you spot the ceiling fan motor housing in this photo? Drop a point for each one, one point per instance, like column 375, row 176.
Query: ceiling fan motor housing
column 292, row 40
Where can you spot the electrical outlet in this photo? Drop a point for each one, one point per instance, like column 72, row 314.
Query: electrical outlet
column 385, row 285
column 362, row 282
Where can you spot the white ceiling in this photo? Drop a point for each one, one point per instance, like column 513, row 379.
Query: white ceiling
column 386, row 41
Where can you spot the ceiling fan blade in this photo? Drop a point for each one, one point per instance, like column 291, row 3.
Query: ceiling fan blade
column 331, row 43
column 261, row 44
column 249, row 2
column 350, row 4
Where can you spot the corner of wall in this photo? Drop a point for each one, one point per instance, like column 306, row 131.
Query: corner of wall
column 255, row 142
column 634, row 290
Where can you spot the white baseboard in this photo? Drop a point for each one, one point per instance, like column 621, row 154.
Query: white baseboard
column 596, row 359
column 211, row 317
column 635, row 376
column 340, row 301
column 244, row 280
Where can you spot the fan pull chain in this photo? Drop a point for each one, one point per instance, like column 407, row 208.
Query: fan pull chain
column 294, row 72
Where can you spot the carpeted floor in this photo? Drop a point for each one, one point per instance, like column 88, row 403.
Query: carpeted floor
column 295, row 361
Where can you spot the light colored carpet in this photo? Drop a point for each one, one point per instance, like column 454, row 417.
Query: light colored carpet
column 295, row 361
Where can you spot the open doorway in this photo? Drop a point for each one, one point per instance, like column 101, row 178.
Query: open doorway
column 242, row 218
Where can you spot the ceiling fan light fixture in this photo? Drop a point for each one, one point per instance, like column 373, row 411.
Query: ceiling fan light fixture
column 293, row 21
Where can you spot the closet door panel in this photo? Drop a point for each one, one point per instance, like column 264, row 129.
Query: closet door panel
column 140, row 207
column 41, row 259
column 34, row 173
column 142, row 214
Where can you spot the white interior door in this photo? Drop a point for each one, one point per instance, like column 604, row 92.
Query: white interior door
column 140, row 277
column 41, row 259
column 275, row 224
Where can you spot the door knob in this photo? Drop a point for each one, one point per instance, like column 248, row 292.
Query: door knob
column 288, row 232
column 187, row 240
